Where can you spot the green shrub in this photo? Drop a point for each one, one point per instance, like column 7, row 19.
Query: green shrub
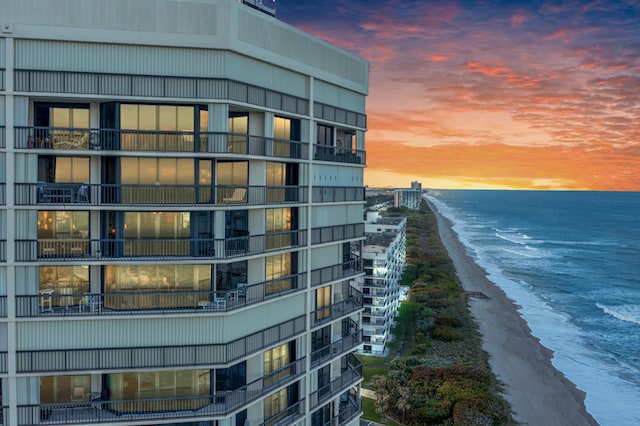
column 445, row 334
column 436, row 303
column 448, row 321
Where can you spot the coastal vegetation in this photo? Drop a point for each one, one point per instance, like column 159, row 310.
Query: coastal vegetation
column 436, row 372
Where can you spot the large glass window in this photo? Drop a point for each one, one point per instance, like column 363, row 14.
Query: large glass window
column 277, row 359
column 323, row 302
column 158, row 180
column 238, row 133
column 62, row 280
column 278, row 223
column 62, row 232
column 54, row 389
column 67, row 125
column 276, row 179
column 278, row 273
column 155, row 286
column 159, row 127
column 231, row 276
column 63, row 169
column 276, row 405
column 172, row 227
column 159, row 390
column 232, row 180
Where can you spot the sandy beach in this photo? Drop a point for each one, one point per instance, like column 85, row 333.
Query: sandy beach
column 538, row 393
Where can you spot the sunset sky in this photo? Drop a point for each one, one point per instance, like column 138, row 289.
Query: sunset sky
column 493, row 94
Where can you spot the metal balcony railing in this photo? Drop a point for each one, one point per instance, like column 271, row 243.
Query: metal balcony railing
column 351, row 375
column 53, row 302
column 53, row 250
column 88, row 194
column 58, row 138
column 333, row 194
column 336, row 233
column 107, row 359
column 352, row 304
column 336, row 349
column 338, row 154
column 99, row 409
column 288, row 416
column 344, row 270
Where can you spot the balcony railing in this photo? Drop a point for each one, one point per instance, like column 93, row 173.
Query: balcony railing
column 352, row 304
column 58, row 193
column 288, row 416
column 71, row 304
column 122, row 358
column 338, row 154
column 48, row 138
column 347, row 378
column 334, row 194
column 105, row 410
column 340, row 271
column 338, row 348
column 55, row 250
column 336, row 233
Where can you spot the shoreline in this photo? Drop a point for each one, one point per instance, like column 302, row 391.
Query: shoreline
column 538, row 393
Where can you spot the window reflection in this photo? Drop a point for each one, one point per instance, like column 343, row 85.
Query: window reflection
column 158, row 390
column 278, row 222
column 59, row 280
column 173, row 227
column 62, row 232
column 278, row 273
column 170, row 285
column 55, row 389
column 159, row 127
column 162, row 180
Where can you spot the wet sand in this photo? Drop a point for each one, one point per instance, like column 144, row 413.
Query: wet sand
column 538, row 393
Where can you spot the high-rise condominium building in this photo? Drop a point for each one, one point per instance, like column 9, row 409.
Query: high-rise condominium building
column 181, row 216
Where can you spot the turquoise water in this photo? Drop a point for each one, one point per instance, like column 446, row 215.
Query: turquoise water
column 571, row 260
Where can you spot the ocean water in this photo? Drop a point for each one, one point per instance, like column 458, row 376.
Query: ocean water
column 571, row 260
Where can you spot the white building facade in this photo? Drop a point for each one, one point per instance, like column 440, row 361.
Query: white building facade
column 383, row 255
column 180, row 232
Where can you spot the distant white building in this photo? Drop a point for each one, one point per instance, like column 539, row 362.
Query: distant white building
column 409, row 198
column 384, row 262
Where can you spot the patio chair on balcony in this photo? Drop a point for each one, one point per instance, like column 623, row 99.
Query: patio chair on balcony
column 78, row 394
column 83, row 193
column 238, row 196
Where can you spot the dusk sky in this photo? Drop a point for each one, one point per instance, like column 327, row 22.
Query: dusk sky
column 493, row 94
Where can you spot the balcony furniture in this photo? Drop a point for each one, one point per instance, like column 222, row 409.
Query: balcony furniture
column 218, row 304
column 45, row 300
column 78, row 394
column 237, row 196
column 92, row 302
column 242, row 289
column 83, row 193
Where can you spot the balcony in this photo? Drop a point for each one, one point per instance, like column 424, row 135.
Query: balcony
column 339, row 309
column 88, row 194
column 347, row 343
column 56, row 303
column 98, row 409
column 350, row 375
column 337, row 233
column 56, row 138
column 335, row 194
column 118, row 358
column 56, row 250
column 338, row 155
column 340, row 271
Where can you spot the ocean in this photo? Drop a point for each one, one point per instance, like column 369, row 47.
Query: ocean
column 571, row 261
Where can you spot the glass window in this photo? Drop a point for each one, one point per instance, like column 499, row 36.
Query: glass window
column 174, row 279
column 274, row 360
column 233, row 173
column 323, row 300
column 173, row 389
column 278, row 273
column 281, row 128
column 55, row 389
column 62, row 224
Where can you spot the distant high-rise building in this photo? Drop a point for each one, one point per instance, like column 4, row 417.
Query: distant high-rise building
column 181, row 232
column 409, row 198
column 383, row 255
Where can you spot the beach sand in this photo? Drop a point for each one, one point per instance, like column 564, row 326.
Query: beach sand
column 538, row 393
